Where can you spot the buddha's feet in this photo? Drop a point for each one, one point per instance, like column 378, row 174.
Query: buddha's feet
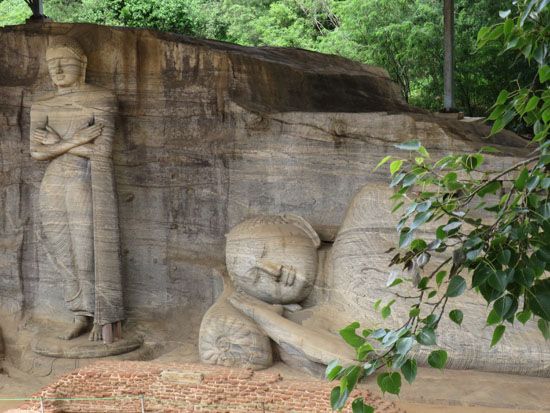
column 96, row 333
column 81, row 325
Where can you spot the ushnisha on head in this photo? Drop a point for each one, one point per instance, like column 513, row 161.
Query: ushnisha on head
column 273, row 258
column 66, row 62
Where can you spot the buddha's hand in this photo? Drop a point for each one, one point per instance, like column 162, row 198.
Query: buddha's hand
column 87, row 134
column 288, row 275
column 285, row 274
column 46, row 136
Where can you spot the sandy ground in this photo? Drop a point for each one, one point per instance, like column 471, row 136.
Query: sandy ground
column 448, row 391
column 432, row 408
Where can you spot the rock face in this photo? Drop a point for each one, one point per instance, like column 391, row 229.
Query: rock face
column 207, row 135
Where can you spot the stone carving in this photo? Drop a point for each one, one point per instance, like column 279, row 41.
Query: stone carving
column 273, row 258
column 358, row 267
column 264, row 251
column 203, row 142
column 228, row 338
column 74, row 130
column 272, row 261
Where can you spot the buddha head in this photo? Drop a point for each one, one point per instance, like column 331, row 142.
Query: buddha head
column 273, row 258
column 66, row 62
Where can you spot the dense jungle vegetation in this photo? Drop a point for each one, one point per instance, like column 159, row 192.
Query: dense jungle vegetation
column 403, row 36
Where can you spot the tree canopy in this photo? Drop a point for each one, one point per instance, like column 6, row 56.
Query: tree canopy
column 403, row 36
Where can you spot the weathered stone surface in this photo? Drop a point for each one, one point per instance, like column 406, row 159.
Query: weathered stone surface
column 207, row 135
column 229, row 338
column 82, row 348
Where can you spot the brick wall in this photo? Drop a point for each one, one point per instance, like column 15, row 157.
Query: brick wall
column 174, row 387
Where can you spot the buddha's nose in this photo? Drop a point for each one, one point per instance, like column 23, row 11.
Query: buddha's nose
column 58, row 68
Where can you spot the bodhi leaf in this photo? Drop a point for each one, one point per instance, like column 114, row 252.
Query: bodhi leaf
column 437, row 359
column 456, row 316
column 426, row 337
column 497, row 334
column 332, row 370
column 389, row 382
column 457, row 285
column 359, row 406
column 503, row 305
column 523, row 316
column 538, row 298
column 395, row 166
column 350, row 336
column 409, row 370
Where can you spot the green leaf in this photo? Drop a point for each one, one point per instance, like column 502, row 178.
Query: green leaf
column 493, row 318
column 531, row 104
column 421, row 219
column 389, row 382
column 405, row 237
column 383, row 161
column 508, row 27
column 503, row 305
column 358, row 406
column 481, row 274
column 430, row 320
column 409, row 145
column 333, row 369
column 457, row 316
column 544, row 328
column 520, row 181
column 538, row 298
column 350, row 336
column 386, row 312
column 489, row 149
column 457, row 285
column 439, row 277
column 504, row 256
column 527, row 12
column 409, row 370
column 544, row 73
column 437, row 359
column 426, row 337
column 404, row 345
column 378, row 334
column 473, row 161
column 532, row 182
column 395, row 166
column 364, row 350
column 499, row 280
column 414, row 312
column 451, row 226
column 502, row 96
column 418, row 245
column 523, row 316
column 397, row 206
column 350, row 379
column 338, row 397
column 497, row 335
column 491, row 188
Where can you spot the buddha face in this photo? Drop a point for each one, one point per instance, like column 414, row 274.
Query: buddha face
column 65, row 68
column 274, row 262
